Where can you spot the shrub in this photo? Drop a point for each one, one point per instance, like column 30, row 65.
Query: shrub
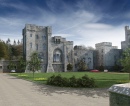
column 72, row 82
column 57, row 81
column 69, row 67
column 85, row 81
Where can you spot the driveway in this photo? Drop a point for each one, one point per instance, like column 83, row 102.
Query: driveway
column 18, row 92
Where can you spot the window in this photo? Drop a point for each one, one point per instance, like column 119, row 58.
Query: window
column 43, row 37
column 37, row 36
column 30, row 45
column 75, row 54
column 57, row 41
column 57, row 56
column 36, row 46
column 30, row 35
column 44, row 46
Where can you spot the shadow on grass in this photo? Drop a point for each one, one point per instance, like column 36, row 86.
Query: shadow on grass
column 88, row 92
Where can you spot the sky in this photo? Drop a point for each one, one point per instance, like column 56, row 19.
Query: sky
column 86, row 22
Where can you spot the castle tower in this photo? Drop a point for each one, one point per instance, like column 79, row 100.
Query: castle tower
column 53, row 51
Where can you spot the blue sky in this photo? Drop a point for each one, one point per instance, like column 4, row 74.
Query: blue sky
column 86, row 22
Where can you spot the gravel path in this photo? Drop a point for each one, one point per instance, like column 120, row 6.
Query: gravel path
column 18, row 92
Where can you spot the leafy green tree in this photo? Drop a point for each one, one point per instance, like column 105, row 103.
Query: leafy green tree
column 22, row 65
column 125, row 61
column 11, row 66
column 3, row 50
column 69, row 67
column 82, row 65
column 35, row 63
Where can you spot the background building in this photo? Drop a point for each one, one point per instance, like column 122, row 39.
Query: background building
column 126, row 44
column 107, row 55
column 55, row 52
column 82, row 53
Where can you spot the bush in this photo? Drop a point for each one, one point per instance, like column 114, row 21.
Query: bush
column 69, row 67
column 85, row 81
column 72, row 82
column 57, row 81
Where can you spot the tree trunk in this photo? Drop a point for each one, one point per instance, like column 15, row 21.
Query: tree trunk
column 33, row 73
column 129, row 76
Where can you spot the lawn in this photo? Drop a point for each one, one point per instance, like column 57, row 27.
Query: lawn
column 102, row 79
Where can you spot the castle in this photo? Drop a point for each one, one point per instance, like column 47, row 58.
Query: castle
column 55, row 52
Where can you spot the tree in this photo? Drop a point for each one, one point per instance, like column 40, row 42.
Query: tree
column 22, row 65
column 69, row 67
column 3, row 50
column 18, row 42
column 82, row 65
column 11, row 66
column 125, row 61
column 101, row 68
column 35, row 63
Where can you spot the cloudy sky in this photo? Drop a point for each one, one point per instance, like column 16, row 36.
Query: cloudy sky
column 86, row 22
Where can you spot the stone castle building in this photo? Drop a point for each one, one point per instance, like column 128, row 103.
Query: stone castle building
column 55, row 52
column 82, row 53
column 107, row 55
column 126, row 44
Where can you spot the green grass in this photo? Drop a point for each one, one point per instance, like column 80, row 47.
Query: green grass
column 102, row 79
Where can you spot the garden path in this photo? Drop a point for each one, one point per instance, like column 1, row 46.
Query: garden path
column 18, row 92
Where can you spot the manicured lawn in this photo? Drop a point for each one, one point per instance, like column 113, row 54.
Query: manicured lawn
column 102, row 79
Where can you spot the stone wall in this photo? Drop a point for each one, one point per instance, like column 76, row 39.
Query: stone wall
column 4, row 65
column 119, row 95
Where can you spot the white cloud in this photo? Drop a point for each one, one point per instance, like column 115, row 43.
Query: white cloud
column 92, row 35
column 80, row 26
column 18, row 5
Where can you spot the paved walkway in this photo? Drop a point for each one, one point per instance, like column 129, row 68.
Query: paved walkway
column 18, row 92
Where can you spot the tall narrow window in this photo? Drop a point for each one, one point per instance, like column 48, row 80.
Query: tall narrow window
column 30, row 35
column 43, row 37
column 37, row 37
column 30, row 45
column 36, row 46
column 44, row 46
column 57, row 56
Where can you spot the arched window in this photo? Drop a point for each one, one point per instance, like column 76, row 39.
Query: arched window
column 57, row 55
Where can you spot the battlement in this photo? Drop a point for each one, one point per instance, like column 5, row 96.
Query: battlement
column 127, row 28
column 103, row 44
column 33, row 27
column 70, row 42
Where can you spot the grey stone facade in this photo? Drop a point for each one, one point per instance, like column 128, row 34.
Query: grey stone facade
column 126, row 44
column 81, row 52
column 107, row 55
column 55, row 52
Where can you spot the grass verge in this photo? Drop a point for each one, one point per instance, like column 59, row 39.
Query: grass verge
column 103, row 80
